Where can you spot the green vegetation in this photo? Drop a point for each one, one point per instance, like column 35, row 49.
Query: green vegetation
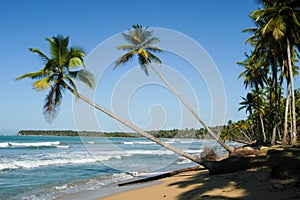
column 75, row 133
column 59, row 72
column 269, row 72
column 175, row 133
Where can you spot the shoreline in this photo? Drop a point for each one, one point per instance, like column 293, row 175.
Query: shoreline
column 128, row 185
column 254, row 183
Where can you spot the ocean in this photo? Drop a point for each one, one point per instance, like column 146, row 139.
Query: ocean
column 48, row 167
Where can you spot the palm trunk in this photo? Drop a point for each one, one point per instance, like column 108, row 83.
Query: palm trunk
column 274, row 131
column 262, row 126
column 286, row 113
column 245, row 135
column 228, row 148
column 140, row 131
column 260, row 116
column 294, row 130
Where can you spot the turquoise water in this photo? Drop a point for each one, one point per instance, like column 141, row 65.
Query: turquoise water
column 40, row 167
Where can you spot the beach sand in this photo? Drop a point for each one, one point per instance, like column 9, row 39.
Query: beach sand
column 250, row 184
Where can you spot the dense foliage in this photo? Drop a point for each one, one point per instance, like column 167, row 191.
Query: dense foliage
column 272, row 103
column 174, row 133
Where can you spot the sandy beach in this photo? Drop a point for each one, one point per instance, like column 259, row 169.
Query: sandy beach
column 250, row 184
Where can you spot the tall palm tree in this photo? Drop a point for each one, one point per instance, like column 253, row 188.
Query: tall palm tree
column 281, row 19
column 58, row 74
column 255, row 75
column 141, row 42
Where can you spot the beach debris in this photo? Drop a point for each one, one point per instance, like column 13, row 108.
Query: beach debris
column 245, row 152
column 208, row 154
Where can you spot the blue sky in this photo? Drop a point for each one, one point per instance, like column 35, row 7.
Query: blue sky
column 215, row 24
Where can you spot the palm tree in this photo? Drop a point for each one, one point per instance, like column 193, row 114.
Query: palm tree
column 281, row 19
column 247, row 104
column 255, row 75
column 58, row 74
column 141, row 44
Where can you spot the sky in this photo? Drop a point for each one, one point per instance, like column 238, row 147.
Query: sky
column 214, row 26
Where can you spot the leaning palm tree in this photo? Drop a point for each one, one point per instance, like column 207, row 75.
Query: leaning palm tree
column 141, row 44
column 58, row 74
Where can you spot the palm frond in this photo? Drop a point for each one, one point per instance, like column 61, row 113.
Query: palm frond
column 76, row 56
column 150, row 41
column 126, row 47
column 153, row 58
column 59, row 89
column 143, row 64
column 50, row 65
column 59, row 49
column 123, row 59
column 43, row 56
column 76, row 62
column 34, row 75
column 42, row 84
column 50, row 109
column 131, row 39
column 73, row 85
column 86, row 78
column 153, row 49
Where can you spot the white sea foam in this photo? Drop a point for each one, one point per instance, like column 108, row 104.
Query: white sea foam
column 139, row 142
column 186, row 142
column 62, row 147
column 128, row 142
column 169, row 142
column 182, row 162
column 28, row 164
column 194, row 151
column 4, row 144
column 33, row 144
column 61, row 187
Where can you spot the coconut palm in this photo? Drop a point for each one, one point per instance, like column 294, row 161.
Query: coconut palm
column 141, row 43
column 247, row 104
column 58, row 74
column 281, row 19
column 255, row 76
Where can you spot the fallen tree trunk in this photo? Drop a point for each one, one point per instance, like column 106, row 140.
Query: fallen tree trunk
column 235, row 163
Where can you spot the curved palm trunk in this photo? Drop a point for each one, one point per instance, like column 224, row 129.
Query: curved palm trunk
column 286, row 113
column 193, row 158
column 228, row 148
column 294, row 130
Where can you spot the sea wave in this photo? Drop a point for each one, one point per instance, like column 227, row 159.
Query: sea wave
column 139, row 142
column 4, row 145
column 28, row 164
column 30, row 144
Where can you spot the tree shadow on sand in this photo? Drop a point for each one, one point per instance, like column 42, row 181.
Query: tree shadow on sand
column 249, row 184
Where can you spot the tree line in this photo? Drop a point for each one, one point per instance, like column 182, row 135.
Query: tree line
column 173, row 133
column 272, row 103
